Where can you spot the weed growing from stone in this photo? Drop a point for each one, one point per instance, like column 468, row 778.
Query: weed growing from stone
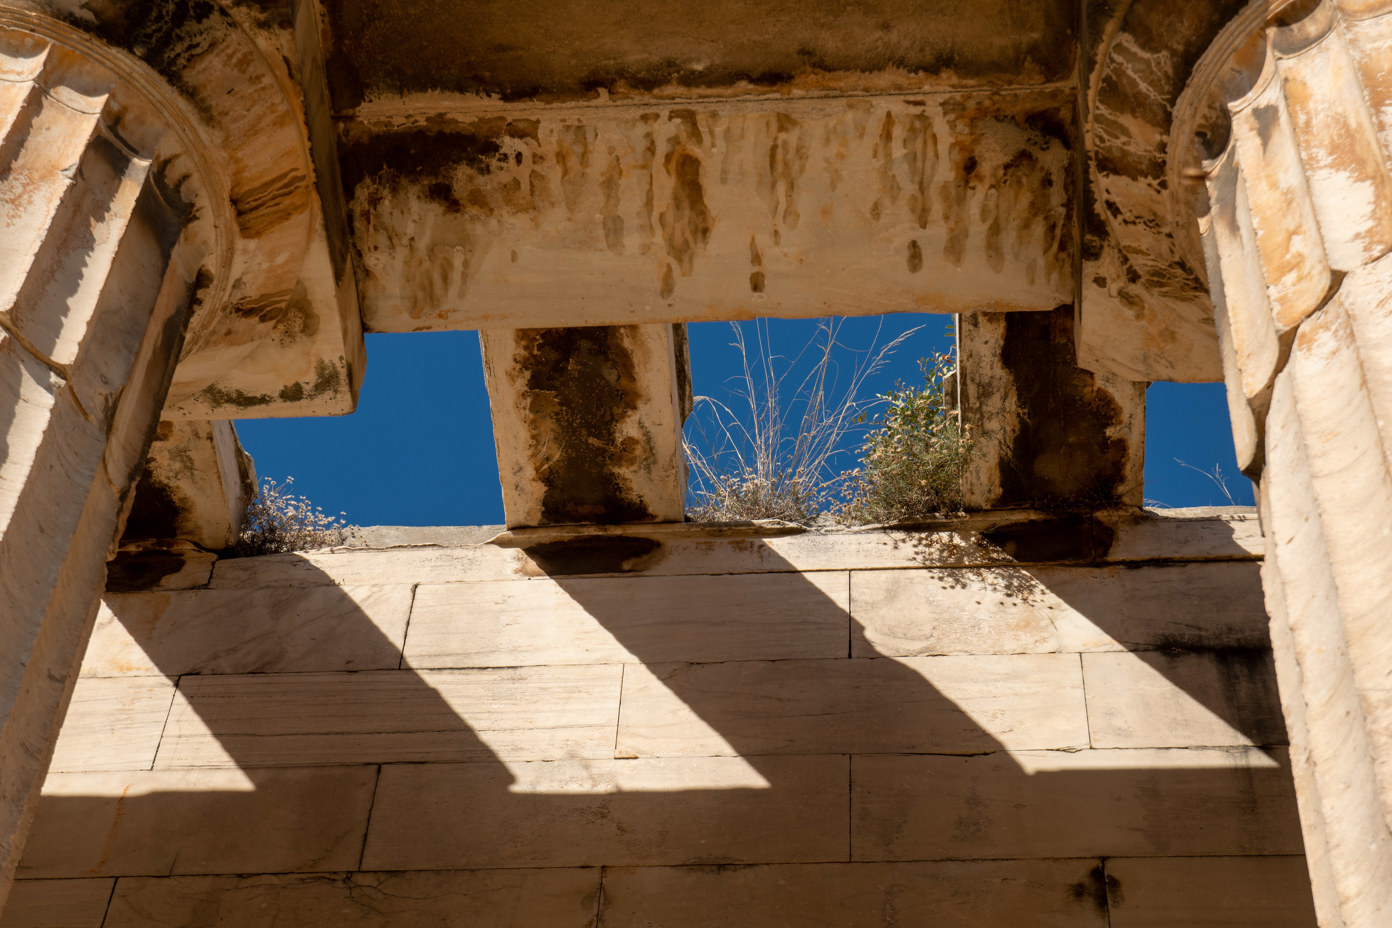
column 912, row 460
column 773, row 451
column 277, row 522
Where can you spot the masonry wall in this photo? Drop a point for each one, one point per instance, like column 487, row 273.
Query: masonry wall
column 1067, row 724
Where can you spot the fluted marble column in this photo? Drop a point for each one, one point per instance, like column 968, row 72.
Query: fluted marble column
column 97, row 276
column 1297, row 232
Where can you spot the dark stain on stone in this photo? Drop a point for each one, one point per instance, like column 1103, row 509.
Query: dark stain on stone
column 1060, row 539
column 431, row 154
column 915, row 257
column 580, row 384
column 954, row 193
column 1062, row 456
column 686, row 222
column 1116, row 896
column 132, row 572
column 1050, row 123
column 788, row 154
column 1091, row 889
column 921, row 154
column 613, row 222
column 550, row 52
column 756, row 282
column 1268, row 117
column 168, row 35
column 1103, row 535
column 268, row 205
column 328, row 380
column 681, row 349
column 596, row 554
column 156, row 512
column 219, row 397
column 668, row 285
column 443, row 192
column 289, row 316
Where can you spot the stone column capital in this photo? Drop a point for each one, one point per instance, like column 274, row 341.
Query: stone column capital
column 44, row 60
column 228, row 102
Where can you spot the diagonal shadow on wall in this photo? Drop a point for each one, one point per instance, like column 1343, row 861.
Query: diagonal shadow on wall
column 849, row 756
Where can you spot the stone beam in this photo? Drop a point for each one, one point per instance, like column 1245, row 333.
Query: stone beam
column 1290, row 120
column 587, row 422
column 533, row 215
column 1045, row 432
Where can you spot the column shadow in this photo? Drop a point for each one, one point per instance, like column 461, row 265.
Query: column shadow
column 457, row 803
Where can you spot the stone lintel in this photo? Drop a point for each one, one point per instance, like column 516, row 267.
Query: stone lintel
column 1045, row 432
column 618, row 213
column 587, row 422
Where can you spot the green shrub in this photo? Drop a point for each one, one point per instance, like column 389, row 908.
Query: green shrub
column 277, row 522
column 911, row 463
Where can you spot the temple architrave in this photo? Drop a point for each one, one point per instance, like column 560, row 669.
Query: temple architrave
column 1059, row 709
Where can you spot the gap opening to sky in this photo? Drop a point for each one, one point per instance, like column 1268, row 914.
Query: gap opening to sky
column 419, row 449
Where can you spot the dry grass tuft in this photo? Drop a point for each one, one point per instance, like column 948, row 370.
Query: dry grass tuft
column 773, row 451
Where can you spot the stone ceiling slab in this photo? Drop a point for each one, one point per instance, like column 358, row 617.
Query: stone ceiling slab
column 559, row 49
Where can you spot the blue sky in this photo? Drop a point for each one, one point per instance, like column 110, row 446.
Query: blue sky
column 419, row 448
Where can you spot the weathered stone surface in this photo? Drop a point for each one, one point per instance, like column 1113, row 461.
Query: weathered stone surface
column 113, row 724
column 96, row 284
column 601, row 50
column 1168, row 700
column 1235, row 892
column 195, row 487
column 618, row 812
column 278, row 323
column 554, row 898
column 943, row 705
column 1143, row 308
column 634, row 619
column 1112, row 803
column 1016, row 610
column 57, row 904
column 199, row 821
column 1180, row 534
column 536, row 216
column 1044, row 431
column 1206, row 533
column 271, row 630
column 428, row 564
column 271, row 720
column 1331, row 734
column 945, row 894
column 172, row 565
column 587, row 422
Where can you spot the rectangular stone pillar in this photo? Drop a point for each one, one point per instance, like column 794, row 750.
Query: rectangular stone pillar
column 1045, row 433
column 588, row 422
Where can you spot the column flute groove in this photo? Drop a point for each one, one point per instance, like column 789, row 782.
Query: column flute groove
column 1287, row 121
column 102, row 258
